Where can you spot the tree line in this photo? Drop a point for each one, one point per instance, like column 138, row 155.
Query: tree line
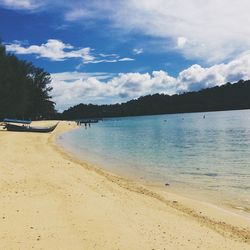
column 226, row 97
column 24, row 89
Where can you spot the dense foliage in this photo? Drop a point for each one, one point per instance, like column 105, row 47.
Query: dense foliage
column 226, row 97
column 24, row 89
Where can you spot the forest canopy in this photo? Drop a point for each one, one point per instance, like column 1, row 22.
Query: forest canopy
column 24, row 89
column 226, row 97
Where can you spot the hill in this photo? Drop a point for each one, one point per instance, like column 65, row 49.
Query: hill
column 225, row 97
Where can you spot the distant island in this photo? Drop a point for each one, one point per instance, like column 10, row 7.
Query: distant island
column 229, row 96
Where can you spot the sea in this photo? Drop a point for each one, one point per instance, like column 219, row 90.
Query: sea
column 198, row 155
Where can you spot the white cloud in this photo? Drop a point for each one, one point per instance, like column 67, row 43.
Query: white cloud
column 213, row 31
column 21, row 4
column 56, row 50
column 138, row 51
column 53, row 49
column 71, row 88
column 76, row 14
column 181, row 41
column 197, row 77
column 126, row 59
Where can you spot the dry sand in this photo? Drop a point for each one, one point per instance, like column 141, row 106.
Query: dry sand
column 49, row 200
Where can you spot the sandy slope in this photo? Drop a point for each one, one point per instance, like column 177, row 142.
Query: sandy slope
column 49, row 200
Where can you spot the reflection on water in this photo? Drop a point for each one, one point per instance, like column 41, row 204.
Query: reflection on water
column 186, row 150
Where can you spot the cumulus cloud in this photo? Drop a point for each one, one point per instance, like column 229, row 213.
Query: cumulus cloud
column 68, row 90
column 71, row 88
column 197, row 77
column 56, row 50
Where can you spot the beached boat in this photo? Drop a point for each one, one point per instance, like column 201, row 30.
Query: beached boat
column 25, row 127
column 7, row 120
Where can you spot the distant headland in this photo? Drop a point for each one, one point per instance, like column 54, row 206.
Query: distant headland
column 229, row 96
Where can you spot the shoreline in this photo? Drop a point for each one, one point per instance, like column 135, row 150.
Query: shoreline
column 99, row 209
column 181, row 189
column 154, row 190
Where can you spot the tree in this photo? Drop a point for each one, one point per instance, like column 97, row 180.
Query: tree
column 24, row 89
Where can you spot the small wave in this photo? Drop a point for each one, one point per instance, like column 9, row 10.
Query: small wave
column 200, row 174
column 241, row 187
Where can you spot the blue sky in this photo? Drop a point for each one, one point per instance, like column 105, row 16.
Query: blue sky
column 114, row 50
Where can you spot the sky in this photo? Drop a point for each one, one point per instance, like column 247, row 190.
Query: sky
column 109, row 51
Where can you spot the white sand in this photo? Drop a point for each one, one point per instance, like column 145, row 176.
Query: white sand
column 49, row 200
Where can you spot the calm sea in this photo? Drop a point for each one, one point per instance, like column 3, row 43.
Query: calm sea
column 204, row 154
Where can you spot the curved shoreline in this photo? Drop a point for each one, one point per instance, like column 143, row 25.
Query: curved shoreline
column 176, row 202
column 195, row 174
column 58, row 202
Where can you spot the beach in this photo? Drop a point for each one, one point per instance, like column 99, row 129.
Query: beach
column 51, row 200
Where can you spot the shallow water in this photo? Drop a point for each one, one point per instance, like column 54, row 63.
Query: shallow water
column 193, row 154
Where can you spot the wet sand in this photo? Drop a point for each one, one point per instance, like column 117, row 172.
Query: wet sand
column 50, row 200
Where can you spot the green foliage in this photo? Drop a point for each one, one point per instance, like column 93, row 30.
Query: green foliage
column 226, row 97
column 24, row 89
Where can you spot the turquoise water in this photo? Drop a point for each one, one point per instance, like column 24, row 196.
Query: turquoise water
column 208, row 155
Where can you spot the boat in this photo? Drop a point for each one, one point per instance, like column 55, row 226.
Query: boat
column 25, row 127
column 7, row 120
